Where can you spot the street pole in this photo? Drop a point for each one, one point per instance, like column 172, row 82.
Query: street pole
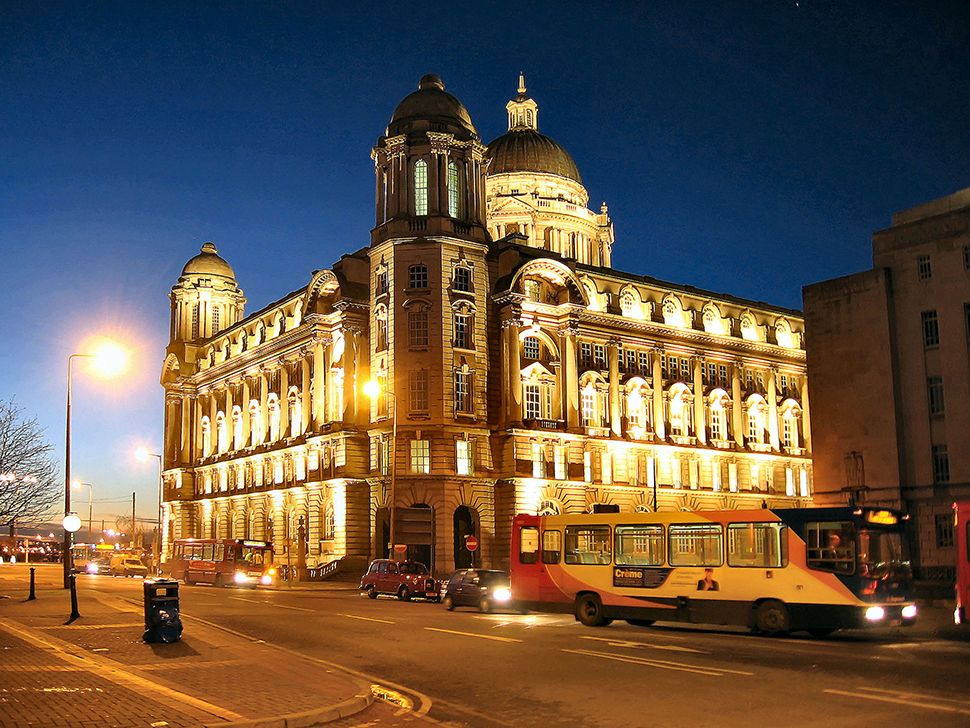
column 68, row 536
column 133, row 520
column 393, row 472
column 158, row 528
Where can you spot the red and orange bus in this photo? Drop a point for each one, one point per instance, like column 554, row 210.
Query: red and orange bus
column 961, row 540
column 222, row 562
column 813, row 569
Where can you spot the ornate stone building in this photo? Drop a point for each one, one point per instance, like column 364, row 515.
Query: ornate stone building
column 518, row 369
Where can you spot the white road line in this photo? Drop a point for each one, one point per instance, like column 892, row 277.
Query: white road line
column 660, row 664
column 907, row 694
column 272, row 604
column 631, row 643
column 473, row 634
column 366, row 619
column 909, row 702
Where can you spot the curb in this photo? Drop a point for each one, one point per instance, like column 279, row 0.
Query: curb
column 308, row 718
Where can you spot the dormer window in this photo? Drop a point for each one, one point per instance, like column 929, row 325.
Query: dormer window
column 421, row 187
column 418, row 276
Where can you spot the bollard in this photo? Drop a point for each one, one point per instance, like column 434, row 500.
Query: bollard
column 73, row 583
column 32, row 594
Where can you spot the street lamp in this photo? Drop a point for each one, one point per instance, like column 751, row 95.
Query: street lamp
column 373, row 390
column 109, row 360
column 144, row 454
column 78, row 484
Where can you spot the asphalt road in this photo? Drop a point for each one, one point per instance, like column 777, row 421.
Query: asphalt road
column 512, row 670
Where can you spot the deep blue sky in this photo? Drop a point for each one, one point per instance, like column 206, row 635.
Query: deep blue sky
column 743, row 147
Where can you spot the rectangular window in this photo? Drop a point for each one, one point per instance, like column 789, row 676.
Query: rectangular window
column 421, row 188
column 944, row 530
column 420, row 456
column 669, row 371
column 588, row 466
column 722, row 373
column 923, row 267
column 588, row 545
column 463, row 394
column 934, row 394
column 696, row 544
column 463, row 456
column 382, row 282
column 716, row 474
column 631, row 361
column 733, row 477
column 599, row 356
column 418, row 390
column 587, row 402
column 381, row 334
column 941, row 464
column 462, row 331
column 643, row 360
column 585, row 354
column 463, row 278
column 418, row 276
column 606, row 467
column 639, row 545
column 803, row 483
column 531, row 400
column 538, row 461
column 195, row 321
column 454, row 197
column 685, row 369
column 931, row 329
column 215, row 319
column 711, row 373
column 528, row 545
column 551, row 547
column 761, row 545
column 559, row 460
column 418, row 329
column 831, row 546
column 530, row 347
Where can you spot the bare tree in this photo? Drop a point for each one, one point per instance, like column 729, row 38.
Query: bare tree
column 29, row 484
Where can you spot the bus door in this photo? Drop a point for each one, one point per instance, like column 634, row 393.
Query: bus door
column 961, row 542
column 534, row 552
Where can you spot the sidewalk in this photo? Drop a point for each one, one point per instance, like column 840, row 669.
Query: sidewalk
column 98, row 672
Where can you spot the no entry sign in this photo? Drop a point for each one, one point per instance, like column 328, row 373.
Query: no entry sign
column 471, row 543
column 400, row 548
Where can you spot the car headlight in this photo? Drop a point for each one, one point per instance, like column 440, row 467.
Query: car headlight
column 92, row 568
column 875, row 614
column 240, row 577
column 909, row 611
column 502, row 594
column 266, row 579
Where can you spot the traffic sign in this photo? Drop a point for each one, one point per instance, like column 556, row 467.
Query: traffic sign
column 471, row 543
column 400, row 548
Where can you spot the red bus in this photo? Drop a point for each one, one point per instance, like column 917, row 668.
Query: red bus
column 961, row 540
column 813, row 569
column 222, row 562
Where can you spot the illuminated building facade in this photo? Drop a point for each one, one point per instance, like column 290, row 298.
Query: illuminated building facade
column 524, row 373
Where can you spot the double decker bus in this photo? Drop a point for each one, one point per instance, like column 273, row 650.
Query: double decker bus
column 775, row 571
column 961, row 540
column 222, row 562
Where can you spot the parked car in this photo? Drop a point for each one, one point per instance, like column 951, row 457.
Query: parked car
column 486, row 589
column 403, row 579
column 126, row 566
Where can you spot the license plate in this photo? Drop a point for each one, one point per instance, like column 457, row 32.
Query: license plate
column 896, row 623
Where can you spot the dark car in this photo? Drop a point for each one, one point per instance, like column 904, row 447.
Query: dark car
column 486, row 589
column 403, row 579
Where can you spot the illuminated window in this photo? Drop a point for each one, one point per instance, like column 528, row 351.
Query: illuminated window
column 538, row 461
column 206, row 437
column 559, row 460
column 533, row 290
column 599, row 356
column 421, row 187
column 628, row 306
column 718, row 420
column 274, row 419
column 606, row 467
column 418, row 329
column 588, row 466
column 215, row 319
column 677, row 424
column 463, row 456
column 418, row 276
column 530, row 347
column 531, row 400
column 454, row 190
column 222, row 433
column 195, row 321
column 420, row 456
column 587, row 401
column 803, row 483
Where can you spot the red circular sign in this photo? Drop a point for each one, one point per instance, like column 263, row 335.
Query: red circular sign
column 400, row 547
column 471, row 543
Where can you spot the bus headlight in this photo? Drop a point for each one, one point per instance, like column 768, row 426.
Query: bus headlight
column 266, row 579
column 502, row 594
column 909, row 611
column 875, row 614
column 240, row 577
column 91, row 568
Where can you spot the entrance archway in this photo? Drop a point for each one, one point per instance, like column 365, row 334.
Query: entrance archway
column 419, row 538
column 466, row 524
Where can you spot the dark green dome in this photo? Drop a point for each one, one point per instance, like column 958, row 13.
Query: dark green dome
column 526, row 150
column 430, row 103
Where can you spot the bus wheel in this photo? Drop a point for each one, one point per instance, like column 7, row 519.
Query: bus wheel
column 771, row 617
column 821, row 631
column 641, row 622
column 589, row 611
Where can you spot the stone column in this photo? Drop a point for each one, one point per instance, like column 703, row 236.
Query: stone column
column 284, row 401
column 806, row 420
column 700, row 416
column 230, row 430
column 186, row 425
column 319, row 384
column 614, row 367
column 263, row 405
column 304, row 393
column 197, row 453
column 570, row 376
column 244, row 406
column 737, row 407
column 659, row 424
column 351, row 337
column 213, row 430
column 510, row 329
column 773, row 409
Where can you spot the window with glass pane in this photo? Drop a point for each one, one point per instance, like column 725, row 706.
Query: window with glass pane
column 696, row 544
column 382, row 282
column 559, row 457
column 944, row 530
column 788, row 430
column 640, row 545
column 551, row 547
column 463, row 398
column 420, row 456
column 418, row 329
column 588, row 545
column 418, row 390
column 528, row 545
column 931, row 329
column 462, row 331
column 533, row 290
column 215, row 319
column 934, row 391
column 924, row 267
column 831, row 546
column 587, row 401
column 421, row 187
column 463, row 279
column 530, row 347
column 418, row 276
column 941, row 464
column 381, row 334
column 599, row 356
column 538, row 461
column 454, row 190
column 757, row 544
column 531, row 400
column 717, row 421
column 463, row 454
column 195, row 321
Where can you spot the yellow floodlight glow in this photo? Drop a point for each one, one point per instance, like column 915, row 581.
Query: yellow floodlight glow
column 142, row 454
column 372, row 388
column 109, row 359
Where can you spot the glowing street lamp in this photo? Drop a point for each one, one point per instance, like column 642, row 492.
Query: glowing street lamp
column 143, row 454
column 373, row 390
column 109, row 360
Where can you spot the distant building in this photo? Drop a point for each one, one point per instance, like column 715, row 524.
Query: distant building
column 888, row 361
column 526, row 373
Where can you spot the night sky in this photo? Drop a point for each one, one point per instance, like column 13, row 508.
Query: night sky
column 748, row 148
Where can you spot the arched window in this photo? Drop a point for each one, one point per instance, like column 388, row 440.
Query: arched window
column 454, row 191
column 222, row 433
column 549, row 507
column 528, row 117
column 628, row 305
column 295, row 413
column 206, row 437
column 329, row 530
column 757, row 417
column 531, row 347
column 273, row 406
column 418, row 276
column 421, row 187
column 255, row 432
column 637, row 408
column 679, row 411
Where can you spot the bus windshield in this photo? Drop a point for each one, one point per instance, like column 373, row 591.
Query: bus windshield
column 253, row 556
column 881, row 555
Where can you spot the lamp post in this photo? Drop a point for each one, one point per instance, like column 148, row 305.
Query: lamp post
column 373, row 390
column 110, row 359
column 90, row 486
column 144, row 454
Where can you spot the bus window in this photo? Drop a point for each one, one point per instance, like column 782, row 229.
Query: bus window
column 640, row 545
column 255, row 556
column 696, row 544
column 528, row 545
column 218, row 552
column 831, row 546
column 551, row 547
column 588, row 545
column 207, row 552
column 757, row 544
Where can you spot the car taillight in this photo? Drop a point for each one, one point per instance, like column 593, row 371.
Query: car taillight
column 870, row 588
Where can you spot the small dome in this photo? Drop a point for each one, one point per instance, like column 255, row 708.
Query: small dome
column 430, row 103
column 526, row 150
column 208, row 262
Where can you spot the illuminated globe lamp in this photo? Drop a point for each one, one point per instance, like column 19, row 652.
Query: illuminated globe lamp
column 71, row 522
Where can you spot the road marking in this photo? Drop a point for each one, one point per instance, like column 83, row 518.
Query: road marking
column 473, row 634
column 908, row 694
column 272, row 604
column 631, row 643
column 366, row 619
column 902, row 699
column 661, row 664
column 128, row 625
